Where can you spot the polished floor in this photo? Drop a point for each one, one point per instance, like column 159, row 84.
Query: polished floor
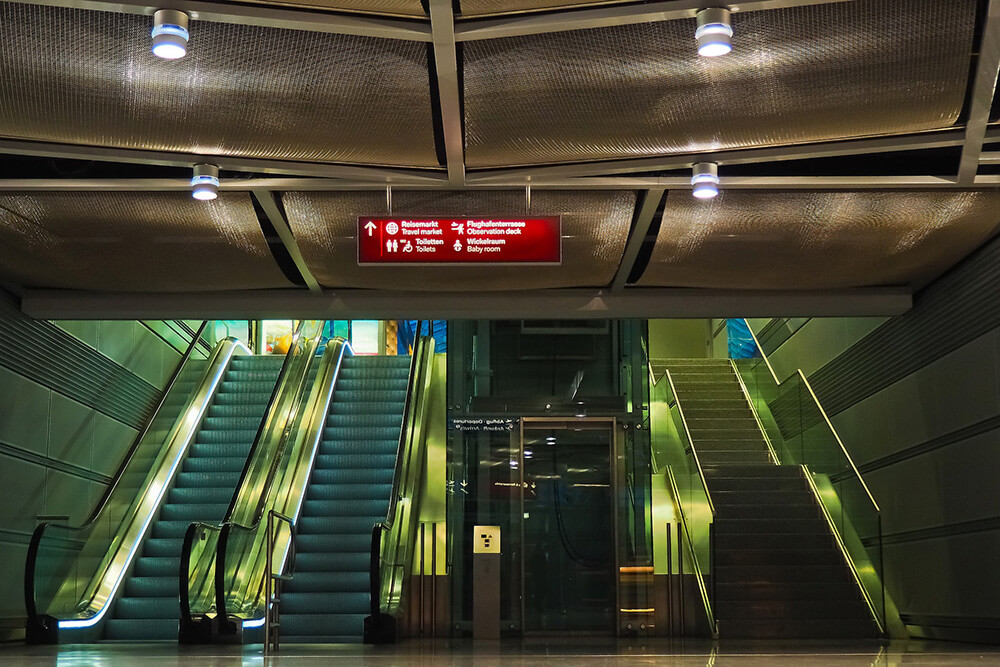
column 562, row 653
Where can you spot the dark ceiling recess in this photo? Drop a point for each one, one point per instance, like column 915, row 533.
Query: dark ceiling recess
column 274, row 244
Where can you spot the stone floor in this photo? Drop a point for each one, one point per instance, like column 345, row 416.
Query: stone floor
column 509, row 653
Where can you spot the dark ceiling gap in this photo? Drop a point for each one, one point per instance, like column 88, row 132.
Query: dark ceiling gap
column 278, row 251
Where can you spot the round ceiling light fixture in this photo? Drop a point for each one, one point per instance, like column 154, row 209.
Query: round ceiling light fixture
column 714, row 33
column 205, row 182
column 705, row 180
column 170, row 34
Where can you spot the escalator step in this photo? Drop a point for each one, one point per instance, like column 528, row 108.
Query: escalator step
column 158, row 566
column 199, row 494
column 338, row 420
column 310, row 525
column 346, row 491
column 314, row 576
column 162, row 547
column 205, row 480
column 194, row 511
column 320, row 603
column 347, row 507
column 359, row 447
column 355, row 461
column 150, row 607
column 341, row 433
column 351, row 625
column 143, row 587
column 332, row 544
column 215, row 464
column 353, row 475
column 141, row 629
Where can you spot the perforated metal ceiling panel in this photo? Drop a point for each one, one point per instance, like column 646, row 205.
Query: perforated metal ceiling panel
column 802, row 74
column 595, row 227
column 89, row 78
column 391, row 7
column 486, row 7
column 134, row 242
column 814, row 240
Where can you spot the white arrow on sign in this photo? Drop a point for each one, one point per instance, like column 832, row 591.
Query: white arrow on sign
column 370, row 227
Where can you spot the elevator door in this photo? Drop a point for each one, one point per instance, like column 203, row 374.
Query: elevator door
column 568, row 527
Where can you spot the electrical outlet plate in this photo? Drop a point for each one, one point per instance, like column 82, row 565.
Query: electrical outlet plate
column 486, row 540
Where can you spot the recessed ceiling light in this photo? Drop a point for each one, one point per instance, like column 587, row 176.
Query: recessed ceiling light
column 170, row 34
column 714, row 33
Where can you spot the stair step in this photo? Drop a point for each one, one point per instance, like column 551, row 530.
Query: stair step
column 791, row 575
column 853, row 609
column 798, row 629
column 760, row 526
column 825, row 554
column 761, row 511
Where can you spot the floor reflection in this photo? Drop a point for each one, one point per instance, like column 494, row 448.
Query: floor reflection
column 577, row 652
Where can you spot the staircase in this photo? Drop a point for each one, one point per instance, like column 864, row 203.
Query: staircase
column 327, row 599
column 779, row 572
column 148, row 607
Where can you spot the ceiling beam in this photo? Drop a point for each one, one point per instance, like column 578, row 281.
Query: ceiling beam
column 446, row 65
column 265, row 16
column 643, row 220
column 605, row 17
column 269, row 204
column 983, row 89
column 633, row 302
column 683, row 183
column 386, row 175
column 941, row 139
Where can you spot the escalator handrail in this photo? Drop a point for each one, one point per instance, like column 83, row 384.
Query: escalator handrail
column 694, row 452
column 397, row 471
column 34, row 545
column 275, row 392
column 225, row 528
column 36, row 536
column 422, row 349
column 822, row 412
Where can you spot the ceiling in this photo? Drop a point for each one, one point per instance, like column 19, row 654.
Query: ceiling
column 852, row 137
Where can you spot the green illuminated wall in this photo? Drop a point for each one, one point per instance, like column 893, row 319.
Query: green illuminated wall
column 72, row 395
column 916, row 399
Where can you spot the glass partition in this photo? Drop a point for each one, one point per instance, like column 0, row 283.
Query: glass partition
column 73, row 572
column 676, row 462
column 801, row 434
column 395, row 538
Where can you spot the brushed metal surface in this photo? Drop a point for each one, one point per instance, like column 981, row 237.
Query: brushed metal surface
column 816, row 240
column 595, row 226
column 387, row 7
column 492, row 7
column 86, row 77
column 134, row 242
column 795, row 75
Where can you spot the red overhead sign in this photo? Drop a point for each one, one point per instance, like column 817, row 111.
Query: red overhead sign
column 459, row 240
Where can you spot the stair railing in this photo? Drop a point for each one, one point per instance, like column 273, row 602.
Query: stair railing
column 273, row 580
column 72, row 573
column 393, row 539
column 791, row 414
column 676, row 458
column 221, row 564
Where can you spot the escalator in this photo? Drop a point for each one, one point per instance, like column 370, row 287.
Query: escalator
column 115, row 577
column 349, row 458
column 202, row 489
column 349, row 491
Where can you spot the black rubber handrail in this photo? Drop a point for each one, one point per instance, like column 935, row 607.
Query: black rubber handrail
column 36, row 537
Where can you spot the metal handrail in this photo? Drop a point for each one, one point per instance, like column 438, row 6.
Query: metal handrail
column 36, row 537
column 753, row 410
column 687, row 432
column 822, row 412
column 838, row 538
column 699, row 575
column 269, row 575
